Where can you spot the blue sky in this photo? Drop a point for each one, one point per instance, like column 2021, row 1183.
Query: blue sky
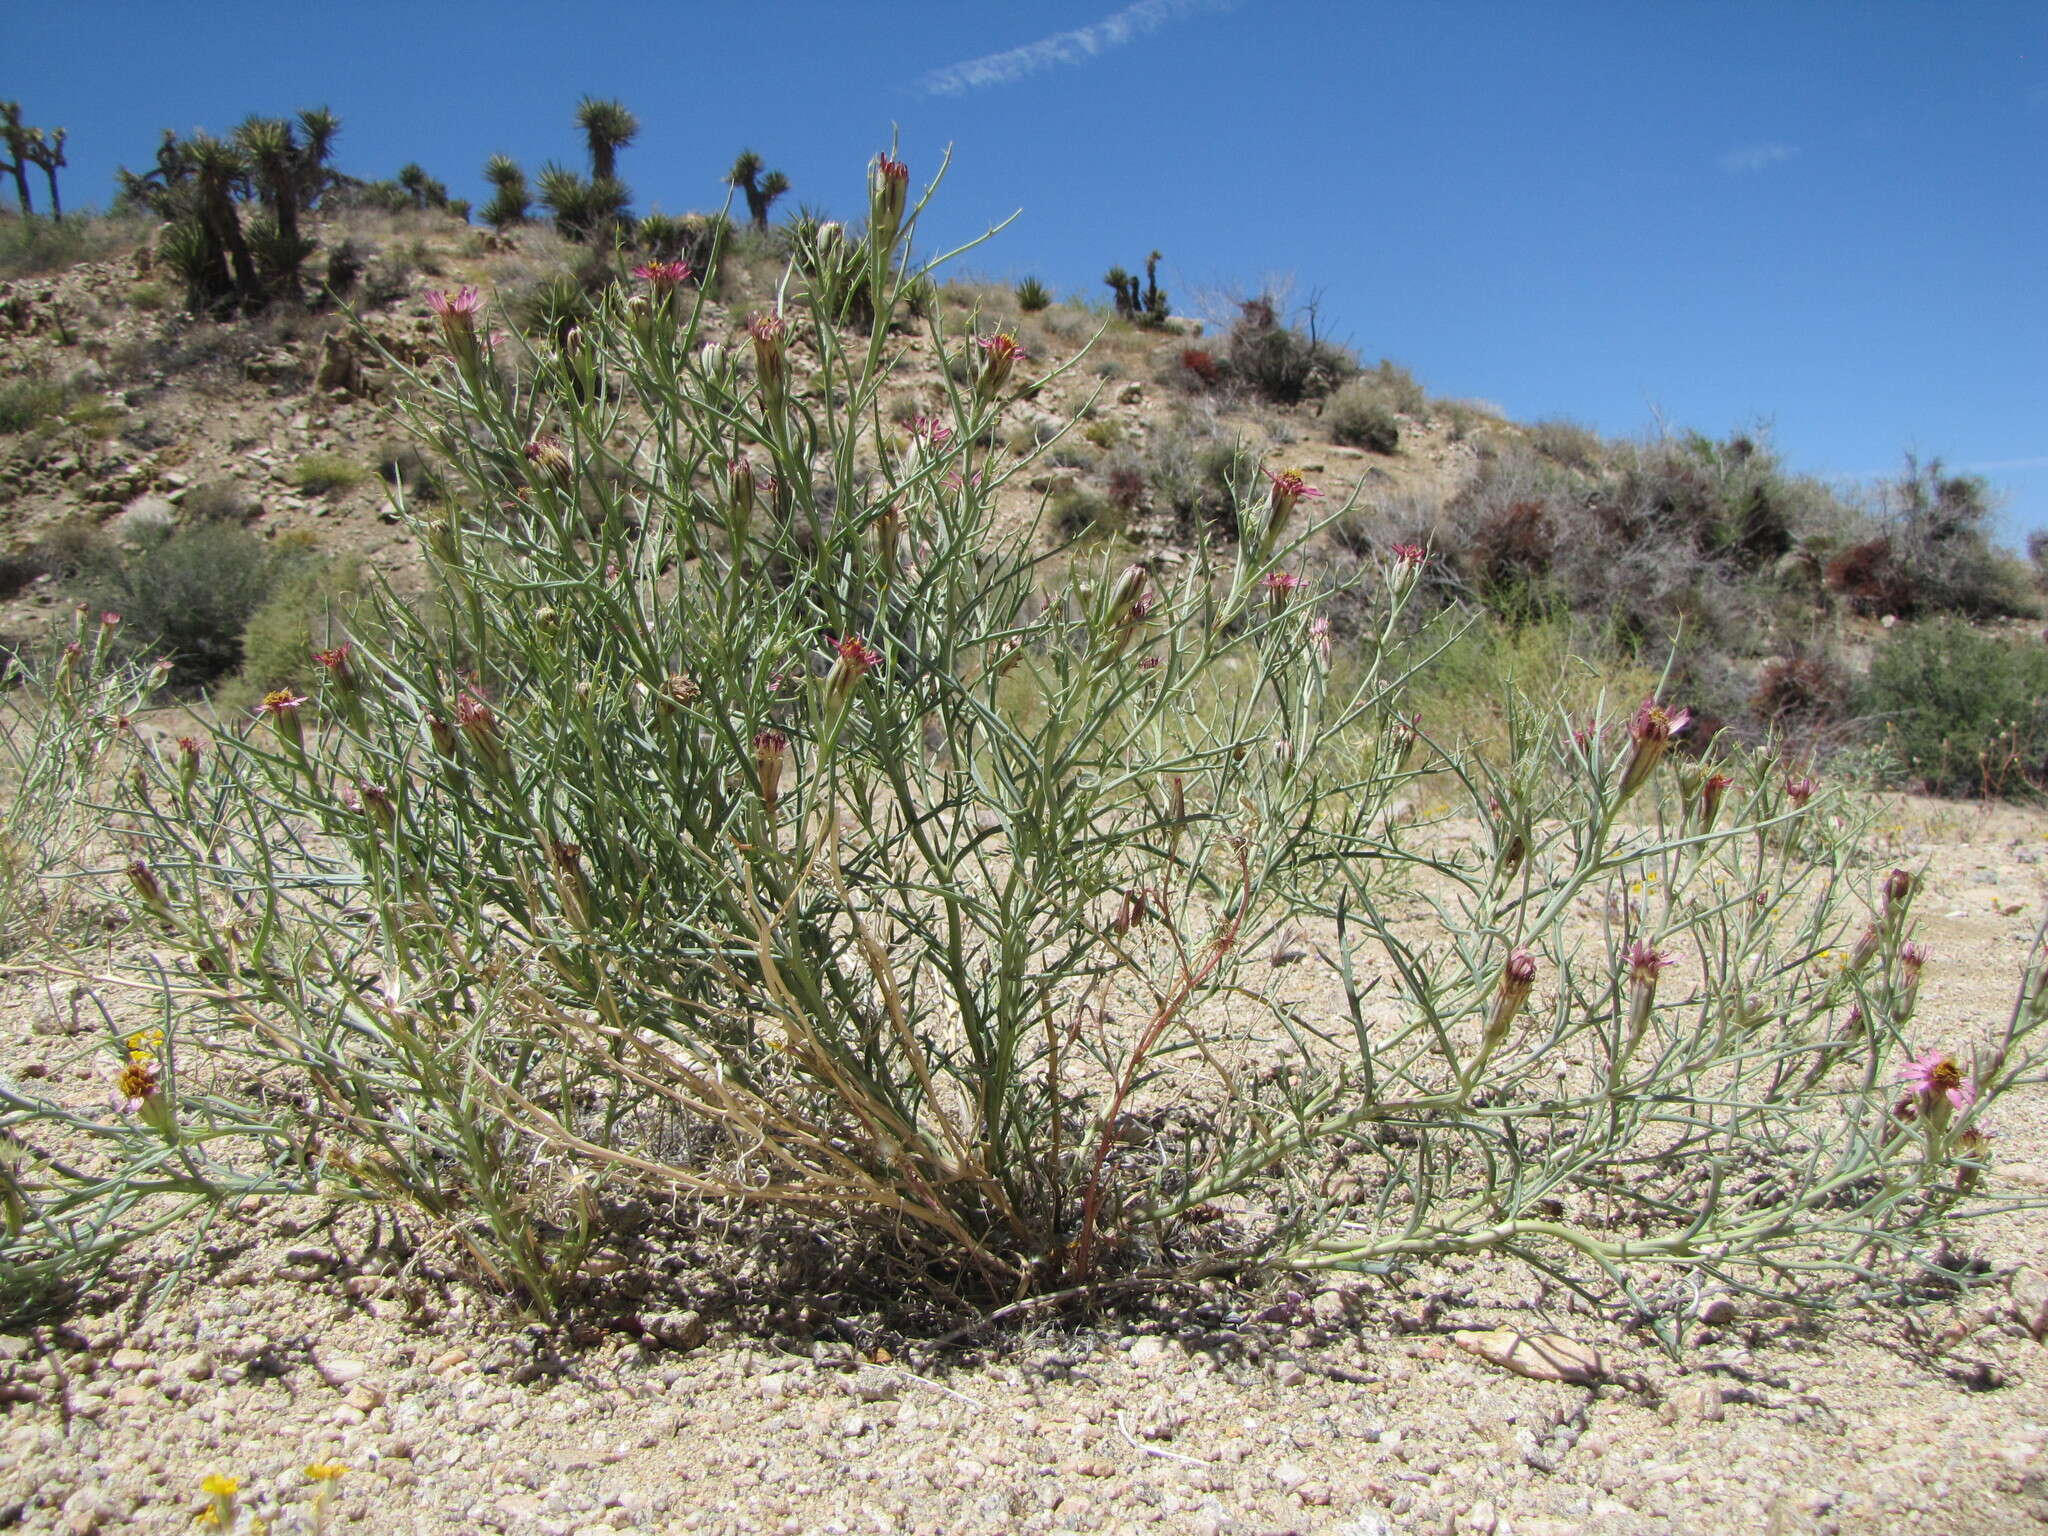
column 1831, row 218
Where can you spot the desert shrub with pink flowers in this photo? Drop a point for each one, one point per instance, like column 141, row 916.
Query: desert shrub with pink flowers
column 758, row 825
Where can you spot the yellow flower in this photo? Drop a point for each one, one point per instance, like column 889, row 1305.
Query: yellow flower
column 326, row 1471
column 208, row 1516
column 145, row 1044
column 219, row 1487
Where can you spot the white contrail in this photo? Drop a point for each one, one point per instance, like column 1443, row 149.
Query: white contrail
column 1075, row 47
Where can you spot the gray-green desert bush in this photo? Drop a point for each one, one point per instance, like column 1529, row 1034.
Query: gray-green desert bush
column 755, row 827
column 1961, row 711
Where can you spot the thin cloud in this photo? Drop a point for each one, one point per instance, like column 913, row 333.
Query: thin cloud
column 1753, row 158
column 1988, row 466
column 1075, row 47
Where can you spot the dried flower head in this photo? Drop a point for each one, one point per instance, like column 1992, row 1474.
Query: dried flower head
column 771, row 749
column 135, row 1084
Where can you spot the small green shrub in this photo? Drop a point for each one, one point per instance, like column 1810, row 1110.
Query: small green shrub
column 1075, row 513
column 1033, row 296
column 320, row 473
column 1279, row 363
column 1567, row 443
column 186, row 594
column 1963, row 712
column 31, row 403
column 34, row 245
column 216, row 501
column 309, row 609
column 150, row 296
column 1358, row 416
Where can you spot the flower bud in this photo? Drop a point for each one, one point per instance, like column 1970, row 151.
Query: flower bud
column 854, row 659
column 565, row 859
column 1406, row 570
column 457, row 313
column 770, row 335
column 1645, row 962
column 376, row 801
column 188, row 763
column 1289, row 490
column 1517, row 980
column 888, row 194
column 442, row 734
column 480, row 728
column 1001, row 353
column 1711, row 791
column 547, row 461
column 771, row 748
column 149, row 888
column 1799, row 791
column 1898, row 888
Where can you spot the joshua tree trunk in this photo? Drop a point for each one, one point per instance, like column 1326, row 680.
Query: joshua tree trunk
column 56, row 207
column 19, row 171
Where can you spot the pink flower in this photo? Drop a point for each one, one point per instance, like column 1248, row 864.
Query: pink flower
column 1281, row 586
column 857, row 653
column 1912, row 957
column 1289, row 489
column 1645, row 961
column 1411, row 554
column 1002, row 345
column 855, row 659
column 1653, row 722
column 1936, row 1076
column 1000, row 354
column 460, row 307
column 664, row 277
column 280, row 703
column 929, row 429
column 1651, row 729
column 1800, row 790
column 109, row 620
column 1319, row 637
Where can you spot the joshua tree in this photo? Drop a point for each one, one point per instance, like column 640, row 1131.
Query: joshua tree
column 17, row 139
column 220, row 170
column 318, row 129
column 511, row 200
column 760, row 190
column 581, row 208
column 608, row 128
column 49, row 154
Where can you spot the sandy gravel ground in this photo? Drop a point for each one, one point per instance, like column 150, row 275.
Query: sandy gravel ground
column 721, row 1407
